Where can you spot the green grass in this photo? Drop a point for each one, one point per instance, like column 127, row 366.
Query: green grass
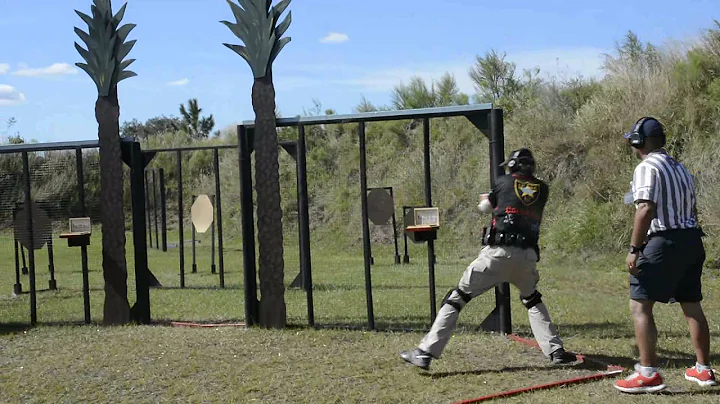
column 66, row 363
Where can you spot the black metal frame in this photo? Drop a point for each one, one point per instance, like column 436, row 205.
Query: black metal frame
column 217, row 226
column 133, row 157
column 487, row 119
column 217, row 222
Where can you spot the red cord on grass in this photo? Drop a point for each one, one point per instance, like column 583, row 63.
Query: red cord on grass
column 542, row 386
column 612, row 370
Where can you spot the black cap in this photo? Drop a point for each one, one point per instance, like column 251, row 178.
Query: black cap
column 651, row 127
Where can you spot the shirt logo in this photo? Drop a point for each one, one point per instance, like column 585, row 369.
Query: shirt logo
column 528, row 192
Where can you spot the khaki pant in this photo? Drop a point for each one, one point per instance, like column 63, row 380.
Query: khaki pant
column 493, row 266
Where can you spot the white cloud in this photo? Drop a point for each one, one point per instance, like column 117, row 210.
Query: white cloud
column 4, row 68
column 335, row 37
column 10, row 96
column 180, row 82
column 54, row 69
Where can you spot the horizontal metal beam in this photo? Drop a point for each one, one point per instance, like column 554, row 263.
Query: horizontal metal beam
column 192, row 148
column 284, row 143
column 460, row 110
column 40, row 147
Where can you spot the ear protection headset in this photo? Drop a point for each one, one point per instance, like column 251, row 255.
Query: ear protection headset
column 523, row 155
column 637, row 136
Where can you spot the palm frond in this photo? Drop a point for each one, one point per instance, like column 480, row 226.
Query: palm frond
column 106, row 46
column 256, row 25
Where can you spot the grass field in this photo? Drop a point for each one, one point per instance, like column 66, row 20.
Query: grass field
column 68, row 363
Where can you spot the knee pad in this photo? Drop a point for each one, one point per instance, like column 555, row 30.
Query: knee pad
column 533, row 300
column 456, row 298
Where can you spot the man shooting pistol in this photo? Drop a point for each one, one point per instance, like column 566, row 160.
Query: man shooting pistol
column 510, row 254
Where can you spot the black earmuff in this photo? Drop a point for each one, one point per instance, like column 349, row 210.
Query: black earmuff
column 637, row 137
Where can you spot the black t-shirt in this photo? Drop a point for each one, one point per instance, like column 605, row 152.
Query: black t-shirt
column 518, row 203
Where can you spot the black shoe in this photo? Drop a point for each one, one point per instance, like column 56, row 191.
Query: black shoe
column 417, row 357
column 560, row 357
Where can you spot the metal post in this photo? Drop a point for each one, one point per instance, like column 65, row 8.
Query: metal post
column 406, row 257
column 428, row 203
column 155, row 210
column 497, row 155
column 213, row 269
column 24, row 267
column 52, row 283
column 31, row 235
column 366, row 226
column 83, row 249
column 194, row 240
column 394, row 225
column 163, row 209
column 142, row 273
column 248, row 228
column 17, row 288
column 218, row 215
column 86, row 283
column 304, row 224
column 181, row 238
column 147, row 207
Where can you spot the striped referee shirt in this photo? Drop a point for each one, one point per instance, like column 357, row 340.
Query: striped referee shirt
column 663, row 180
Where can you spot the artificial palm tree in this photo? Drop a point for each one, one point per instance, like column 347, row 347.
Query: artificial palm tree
column 257, row 25
column 105, row 64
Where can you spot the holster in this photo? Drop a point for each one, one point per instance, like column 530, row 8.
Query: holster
column 492, row 237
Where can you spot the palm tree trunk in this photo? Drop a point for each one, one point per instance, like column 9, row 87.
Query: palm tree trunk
column 269, row 212
column 112, row 217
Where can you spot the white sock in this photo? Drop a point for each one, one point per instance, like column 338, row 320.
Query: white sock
column 702, row 367
column 647, row 371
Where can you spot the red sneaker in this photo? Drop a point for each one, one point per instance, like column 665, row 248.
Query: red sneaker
column 637, row 383
column 704, row 378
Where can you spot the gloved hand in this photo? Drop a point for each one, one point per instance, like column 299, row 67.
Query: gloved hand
column 485, row 206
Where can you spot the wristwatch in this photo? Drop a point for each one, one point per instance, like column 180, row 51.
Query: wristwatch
column 635, row 250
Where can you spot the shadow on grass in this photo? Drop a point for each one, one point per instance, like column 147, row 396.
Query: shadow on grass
column 27, row 292
column 676, row 359
column 408, row 324
column 709, row 392
column 200, row 287
column 607, row 330
column 14, row 328
column 529, row 368
column 164, row 322
column 324, row 287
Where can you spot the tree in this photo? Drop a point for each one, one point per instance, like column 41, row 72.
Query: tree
column 417, row 94
column 105, row 64
column 192, row 123
column 414, row 95
column 10, row 138
column 448, row 93
column 633, row 55
column 365, row 106
column 493, row 77
column 152, row 127
column 258, row 28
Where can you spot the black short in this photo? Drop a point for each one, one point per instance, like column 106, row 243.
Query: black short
column 670, row 268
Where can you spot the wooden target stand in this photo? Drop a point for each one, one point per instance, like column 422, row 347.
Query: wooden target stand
column 79, row 236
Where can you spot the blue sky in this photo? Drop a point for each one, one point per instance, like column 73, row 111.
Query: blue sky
column 341, row 50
